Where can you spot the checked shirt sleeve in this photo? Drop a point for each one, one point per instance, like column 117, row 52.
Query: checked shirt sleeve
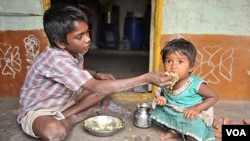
column 66, row 72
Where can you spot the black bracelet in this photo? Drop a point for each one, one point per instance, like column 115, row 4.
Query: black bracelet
column 95, row 74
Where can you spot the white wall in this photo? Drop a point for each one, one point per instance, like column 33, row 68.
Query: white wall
column 230, row 17
column 20, row 14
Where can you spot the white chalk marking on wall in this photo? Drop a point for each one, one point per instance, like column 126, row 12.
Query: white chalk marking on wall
column 32, row 47
column 10, row 57
column 226, row 61
column 211, row 65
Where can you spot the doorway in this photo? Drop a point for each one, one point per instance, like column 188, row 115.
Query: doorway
column 122, row 63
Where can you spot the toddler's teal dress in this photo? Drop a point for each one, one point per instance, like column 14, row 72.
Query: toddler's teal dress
column 170, row 117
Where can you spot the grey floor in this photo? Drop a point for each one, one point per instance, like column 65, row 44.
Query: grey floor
column 11, row 131
column 122, row 65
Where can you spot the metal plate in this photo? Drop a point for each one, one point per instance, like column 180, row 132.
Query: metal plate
column 103, row 125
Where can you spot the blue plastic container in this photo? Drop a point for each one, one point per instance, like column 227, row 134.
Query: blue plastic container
column 133, row 30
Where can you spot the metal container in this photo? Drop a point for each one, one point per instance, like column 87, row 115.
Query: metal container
column 141, row 115
column 108, row 17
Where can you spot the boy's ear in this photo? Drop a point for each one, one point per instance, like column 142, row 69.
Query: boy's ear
column 60, row 44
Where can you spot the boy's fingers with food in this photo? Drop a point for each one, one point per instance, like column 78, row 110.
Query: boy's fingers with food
column 160, row 79
column 174, row 77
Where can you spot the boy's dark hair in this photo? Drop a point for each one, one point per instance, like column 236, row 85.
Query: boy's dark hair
column 58, row 22
column 182, row 46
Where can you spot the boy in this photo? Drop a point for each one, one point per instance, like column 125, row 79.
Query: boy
column 58, row 92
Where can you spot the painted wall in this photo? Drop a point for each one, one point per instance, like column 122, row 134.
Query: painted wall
column 21, row 40
column 220, row 30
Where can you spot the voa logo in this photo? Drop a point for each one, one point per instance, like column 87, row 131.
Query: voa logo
column 236, row 132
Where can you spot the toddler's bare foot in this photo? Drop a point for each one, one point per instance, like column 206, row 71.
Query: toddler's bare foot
column 217, row 123
column 246, row 121
column 168, row 135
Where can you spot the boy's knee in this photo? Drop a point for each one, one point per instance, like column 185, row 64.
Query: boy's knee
column 54, row 132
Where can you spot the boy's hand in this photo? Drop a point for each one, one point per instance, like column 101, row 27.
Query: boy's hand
column 159, row 79
column 105, row 76
column 175, row 79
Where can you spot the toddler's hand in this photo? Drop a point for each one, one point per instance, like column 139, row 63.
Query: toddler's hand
column 160, row 100
column 191, row 113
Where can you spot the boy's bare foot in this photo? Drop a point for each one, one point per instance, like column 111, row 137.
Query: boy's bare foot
column 71, row 121
column 168, row 135
column 82, row 115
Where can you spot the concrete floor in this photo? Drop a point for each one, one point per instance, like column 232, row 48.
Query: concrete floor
column 11, row 131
